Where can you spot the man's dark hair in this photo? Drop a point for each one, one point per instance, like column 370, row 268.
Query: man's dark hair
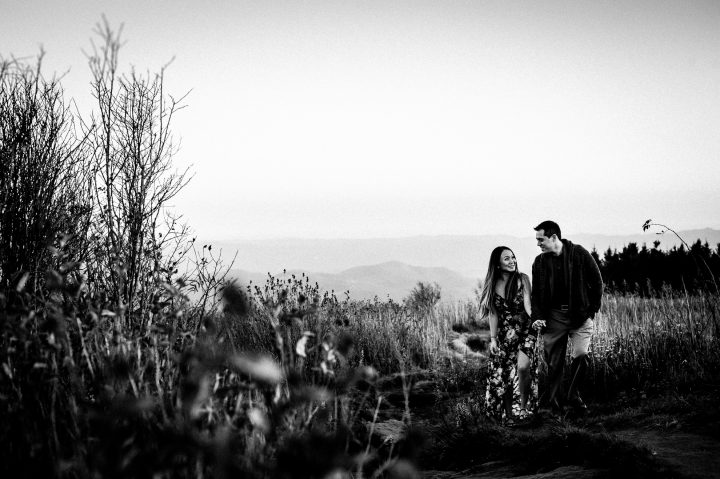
column 549, row 228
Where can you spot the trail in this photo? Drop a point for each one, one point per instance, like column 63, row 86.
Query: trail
column 670, row 442
column 689, row 455
column 684, row 455
column 666, row 436
column 680, row 454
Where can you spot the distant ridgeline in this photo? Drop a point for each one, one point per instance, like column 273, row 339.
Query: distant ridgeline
column 649, row 271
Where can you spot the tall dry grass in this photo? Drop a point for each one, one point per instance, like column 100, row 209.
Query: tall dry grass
column 279, row 385
column 640, row 345
column 646, row 344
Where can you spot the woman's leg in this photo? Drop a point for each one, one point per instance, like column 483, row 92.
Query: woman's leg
column 523, row 371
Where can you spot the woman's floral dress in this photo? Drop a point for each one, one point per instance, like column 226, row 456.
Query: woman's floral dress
column 513, row 334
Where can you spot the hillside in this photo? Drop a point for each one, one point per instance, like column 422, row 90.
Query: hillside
column 467, row 255
column 391, row 279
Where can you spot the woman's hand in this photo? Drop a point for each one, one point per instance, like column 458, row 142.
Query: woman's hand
column 494, row 349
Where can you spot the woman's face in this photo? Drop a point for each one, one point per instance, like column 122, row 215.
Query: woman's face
column 507, row 261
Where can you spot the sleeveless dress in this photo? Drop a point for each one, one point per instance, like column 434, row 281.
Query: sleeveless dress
column 513, row 334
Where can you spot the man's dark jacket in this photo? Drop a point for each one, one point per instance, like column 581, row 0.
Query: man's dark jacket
column 582, row 277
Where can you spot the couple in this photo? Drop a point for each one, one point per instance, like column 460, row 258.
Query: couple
column 565, row 295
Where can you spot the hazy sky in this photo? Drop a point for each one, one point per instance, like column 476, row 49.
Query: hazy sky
column 381, row 119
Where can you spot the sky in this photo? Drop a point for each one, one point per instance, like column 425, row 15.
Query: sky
column 357, row 119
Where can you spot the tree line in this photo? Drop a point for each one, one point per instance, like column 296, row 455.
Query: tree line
column 650, row 271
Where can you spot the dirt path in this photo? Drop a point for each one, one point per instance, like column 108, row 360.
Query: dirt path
column 677, row 453
column 689, row 455
column 666, row 437
column 680, row 454
column 563, row 472
column 670, row 436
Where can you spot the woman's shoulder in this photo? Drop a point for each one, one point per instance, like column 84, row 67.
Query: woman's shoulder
column 523, row 282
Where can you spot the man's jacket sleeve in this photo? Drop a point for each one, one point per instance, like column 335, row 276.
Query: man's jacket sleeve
column 594, row 282
column 536, row 291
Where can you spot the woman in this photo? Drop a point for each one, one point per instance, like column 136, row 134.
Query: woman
column 505, row 299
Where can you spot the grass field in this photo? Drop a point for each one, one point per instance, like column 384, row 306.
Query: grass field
column 292, row 382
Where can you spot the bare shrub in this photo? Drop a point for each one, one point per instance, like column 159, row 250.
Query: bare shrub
column 132, row 149
column 44, row 185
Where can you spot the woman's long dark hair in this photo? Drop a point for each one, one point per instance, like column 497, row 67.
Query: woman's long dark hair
column 493, row 273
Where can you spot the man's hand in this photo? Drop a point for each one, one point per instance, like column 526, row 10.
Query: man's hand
column 494, row 349
column 539, row 324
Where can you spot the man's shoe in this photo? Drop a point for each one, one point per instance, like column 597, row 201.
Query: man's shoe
column 577, row 405
column 551, row 411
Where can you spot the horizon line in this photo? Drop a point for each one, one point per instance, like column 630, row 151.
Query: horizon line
column 447, row 235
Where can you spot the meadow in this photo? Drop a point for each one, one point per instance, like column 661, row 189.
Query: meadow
column 286, row 380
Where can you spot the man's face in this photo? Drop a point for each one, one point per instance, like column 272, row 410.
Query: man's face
column 543, row 241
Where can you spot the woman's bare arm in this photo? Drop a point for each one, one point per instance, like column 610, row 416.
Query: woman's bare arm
column 493, row 322
column 526, row 294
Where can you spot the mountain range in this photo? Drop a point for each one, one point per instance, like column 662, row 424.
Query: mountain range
column 393, row 266
column 386, row 280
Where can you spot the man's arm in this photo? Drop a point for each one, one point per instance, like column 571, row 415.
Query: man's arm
column 594, row 282
column 535, row 296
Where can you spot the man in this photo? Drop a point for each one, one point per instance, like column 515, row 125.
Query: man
column 566, row 294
